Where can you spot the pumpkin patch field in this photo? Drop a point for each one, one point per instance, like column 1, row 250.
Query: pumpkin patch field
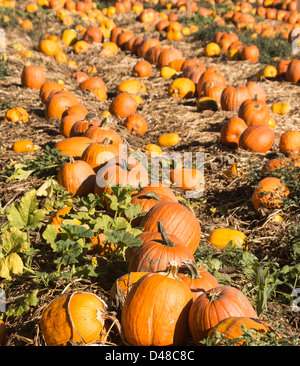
column 149, row 173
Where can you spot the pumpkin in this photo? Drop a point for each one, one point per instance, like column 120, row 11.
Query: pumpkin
column 282, row 67
column 23, row 146
column 73, row 146
column 155, row 254
column 289, row 142
column 98, row 153
column 121, row 171
column 77, row 109
column 77, row 317
column 93, row 34
column 77, row 177
column 58, row 103
column 168, row 139
column 250, row 53
column 212, row 90
column 178, row 220
column 162, row 300
column 221, row 237
column 212, row 75
column 256, row 90
column 212, row 49
column 167, row 55
column 254, row 112
column 79, row 127
column 231, row 131
column 50, row 85
column 160, row 189
column 48, row 47
column 293, row 71
column 33, row 77
column 198, row 279
column 233, row 96
column 80, row 76
column 215, row 305
column 167, row 72
column 67, row 122
column 93, row 83
column 147, row 199
column 122, row 286
column 136, row 124
column 145, row 45
column 133, row 86
column 281, row 108
column 101, row 133
column 18, row 114
column 142, row 69
column 269, row 193
column 187, row 179
column 257, row 138
column 232, row 328
column 182, row 88
column 123, row 105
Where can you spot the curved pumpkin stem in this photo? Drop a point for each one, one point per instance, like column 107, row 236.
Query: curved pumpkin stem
column 161, row 229
column 89, row 116
column 172, row 270
column 192, row 268
column 71, row 159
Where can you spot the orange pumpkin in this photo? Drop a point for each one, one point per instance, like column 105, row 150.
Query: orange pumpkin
column 231, row 131
column 33, row 77
column 269, row 193
column 77, row 317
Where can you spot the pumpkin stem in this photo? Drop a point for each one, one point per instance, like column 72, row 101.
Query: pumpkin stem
column 192, row 268
column 172, row 270
column 71, row 159
column 161, row 229
column 213, row 295
column 89, row 116
column 152, row 195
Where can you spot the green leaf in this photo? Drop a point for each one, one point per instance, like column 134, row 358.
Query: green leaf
column 123, row 238
column 50, row 235
column 26, row 214
column 13, row 241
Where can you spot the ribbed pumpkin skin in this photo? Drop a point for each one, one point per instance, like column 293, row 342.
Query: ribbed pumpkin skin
column 73, row 146
column 257, row 138
column 155, row 312
column 115, row 172
column 205, row 313
column 231, row 328
column 123, row 105
column 77, row 178
column 178, row 221
column 254, row 112
column 154, row 255
column 33, row 77
column 232, row 97
column 100, row 134
column 59, row 103
column 86, row 311
column 231, row 131
column 98, row 154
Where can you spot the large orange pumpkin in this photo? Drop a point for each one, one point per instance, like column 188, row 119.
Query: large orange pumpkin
column 77, row 317
column 231, row 131
column 215, row 305
column 162, row 301
column 155, row 254
column 33, row 77
column 178, row 220
column 77, row 177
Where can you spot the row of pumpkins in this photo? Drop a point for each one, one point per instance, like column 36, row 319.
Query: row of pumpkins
column 167, row 290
